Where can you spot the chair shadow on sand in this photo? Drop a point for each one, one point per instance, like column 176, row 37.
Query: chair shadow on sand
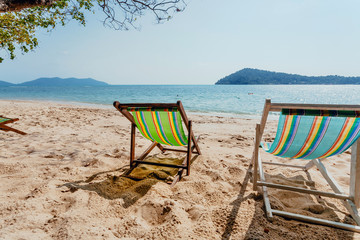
column 231, row 219
column 261, row 228
column 128, row 184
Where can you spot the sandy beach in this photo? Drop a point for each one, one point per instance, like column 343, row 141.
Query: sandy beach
column 63, row 180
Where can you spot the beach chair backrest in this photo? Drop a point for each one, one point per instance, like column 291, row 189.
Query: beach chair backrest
column 160, row 124
column 2, row 119
column 314, row 133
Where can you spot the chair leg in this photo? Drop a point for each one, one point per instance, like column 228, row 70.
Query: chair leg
column 161, row 148
column 188, row 156
column 147, row 151
column 7, row 128
column 196, row 144
column 256, row 157
column 350, row 206
column 309, row 165
column 132, row 144
column 355, row 173
column 268, row 209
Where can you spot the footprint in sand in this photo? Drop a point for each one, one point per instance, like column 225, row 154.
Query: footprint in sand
column 195, row 212
column 156, row 213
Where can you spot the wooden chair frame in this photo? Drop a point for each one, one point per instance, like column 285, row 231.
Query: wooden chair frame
column 351, row 201
column 7, row 128
column 192, row 141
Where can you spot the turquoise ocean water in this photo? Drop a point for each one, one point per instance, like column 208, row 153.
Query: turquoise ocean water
column 211, row 99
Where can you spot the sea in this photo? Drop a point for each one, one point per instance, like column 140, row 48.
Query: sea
column 222, row 100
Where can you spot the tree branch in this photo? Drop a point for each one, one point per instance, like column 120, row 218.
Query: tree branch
column 16, row 5
column 20, row 19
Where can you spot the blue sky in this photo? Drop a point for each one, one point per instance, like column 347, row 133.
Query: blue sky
column 209, row 40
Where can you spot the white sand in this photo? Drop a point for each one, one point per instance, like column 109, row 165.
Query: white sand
column 63, row 181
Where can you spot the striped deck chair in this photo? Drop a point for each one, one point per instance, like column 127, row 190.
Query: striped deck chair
column 4, row 120
column 161, row 123
column 313, row 133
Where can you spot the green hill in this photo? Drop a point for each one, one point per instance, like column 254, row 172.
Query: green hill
column 5, row 84
column 63, row 82
column 256, row 76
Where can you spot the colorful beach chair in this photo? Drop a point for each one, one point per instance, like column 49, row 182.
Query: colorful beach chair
column 3, row 127
column 312, row 132
column 161, row 123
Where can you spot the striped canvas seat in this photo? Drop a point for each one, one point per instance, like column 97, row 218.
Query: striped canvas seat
column 311, row 134
column 161, row 125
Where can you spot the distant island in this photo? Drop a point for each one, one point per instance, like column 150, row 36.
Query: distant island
column 58, row 82
column 5, row 84
column 256, row 76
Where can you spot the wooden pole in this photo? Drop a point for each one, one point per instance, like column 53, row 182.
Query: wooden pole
column 355, row 173
column 268, row 209
column 188, row 156
column 179, row 174
column 316, row 220
column 305, row 190
column 264, row 116
column 148, row 150
column 259, row 132
column 284, row 165
column 146, row 105
column 276, row 107
column 132, row 144
column 179, row 150
column 7, row 128
column 124, row 111
column 159, row 164
column 186, row 121
column 256, row 156
column 162, row 149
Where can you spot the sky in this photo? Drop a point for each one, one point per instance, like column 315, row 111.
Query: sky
column 209, row 40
